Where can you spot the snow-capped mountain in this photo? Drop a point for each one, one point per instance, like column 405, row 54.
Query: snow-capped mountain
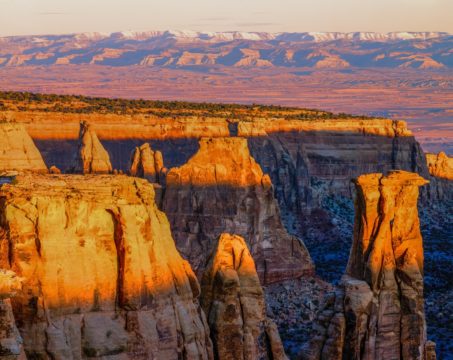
column 424, row 50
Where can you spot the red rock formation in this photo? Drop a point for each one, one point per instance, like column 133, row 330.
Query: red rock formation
column 233, row 300
column 378, row 310
column 440, row 165
column 10, row 340
column 17, row 150
column 91, row 157
column 102, row 276
column 147, row 164
column 222, row 189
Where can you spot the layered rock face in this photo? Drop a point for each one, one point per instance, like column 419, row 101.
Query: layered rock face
column 101, row 275
column 222, row 189
column 378, row 310
column 147, row 164
column 91, row 157
column 17, row 150
column 10, row 340
column 233, row 300
column 440, row 165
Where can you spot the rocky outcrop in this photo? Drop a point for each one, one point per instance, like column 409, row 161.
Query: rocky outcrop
column 378, row 310
column 91, row 157
column 17, row 150
column 101, row 275
column 148, row 164
column 222, row 189
column 440, row 165
column 233, row 301
column 10, row 340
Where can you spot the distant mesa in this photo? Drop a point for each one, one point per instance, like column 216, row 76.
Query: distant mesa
column 321, row 50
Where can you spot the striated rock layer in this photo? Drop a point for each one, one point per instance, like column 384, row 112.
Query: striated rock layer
column 17, row 150
column 233, row 300
column 222, row 189
column 147, row 164
column 91, row 157
column 378, row 310
column 101, row 275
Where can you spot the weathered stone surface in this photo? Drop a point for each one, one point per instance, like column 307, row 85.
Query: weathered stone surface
column 10, row 340
column 440, row 165
column 147, row 164
column 222, row 189
column 17, row 150
column 378, row 310
column 91, row 157
column 102, row 276
column 233, row 300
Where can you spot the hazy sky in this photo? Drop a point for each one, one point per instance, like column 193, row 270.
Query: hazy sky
column 19, row 17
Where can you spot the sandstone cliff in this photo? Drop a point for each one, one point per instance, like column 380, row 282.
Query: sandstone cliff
column 440, row 165
column 233, row 301
column 147, row 164
column 10, row 340
column 101, row 275
column 91, row 157
column 378, row 310
column 17, row 150
column 222, row 189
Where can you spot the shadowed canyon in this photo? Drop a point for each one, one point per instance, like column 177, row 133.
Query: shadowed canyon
column 172, row 230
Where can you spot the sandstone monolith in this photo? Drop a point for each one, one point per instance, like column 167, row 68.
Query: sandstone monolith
column 91, row 157
column 146, row 163
column 233, row 301
column 377, row 311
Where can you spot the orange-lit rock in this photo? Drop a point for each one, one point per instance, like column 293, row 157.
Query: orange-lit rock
column 91, row 157
column 147, row 163
column 10, row 340
column 17, row 150
column 222, row 189
column 378, row 309
column 233, row 301
column 102, row 276
column 440, row 165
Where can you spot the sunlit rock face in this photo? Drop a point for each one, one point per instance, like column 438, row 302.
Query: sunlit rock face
column 222, row 189
column 10, row 340
column 440, row 165
column 101, row 275
column 17, row 150
column 91, row 157
column 147, row 164
column 233, row 301
column 378, row 311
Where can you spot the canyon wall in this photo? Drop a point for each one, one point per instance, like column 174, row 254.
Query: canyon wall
column 222, row 189
column 233, row 301
column 101, row 275
column 377, row 311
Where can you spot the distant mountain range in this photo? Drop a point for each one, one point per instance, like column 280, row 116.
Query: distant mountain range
column 421, row 50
